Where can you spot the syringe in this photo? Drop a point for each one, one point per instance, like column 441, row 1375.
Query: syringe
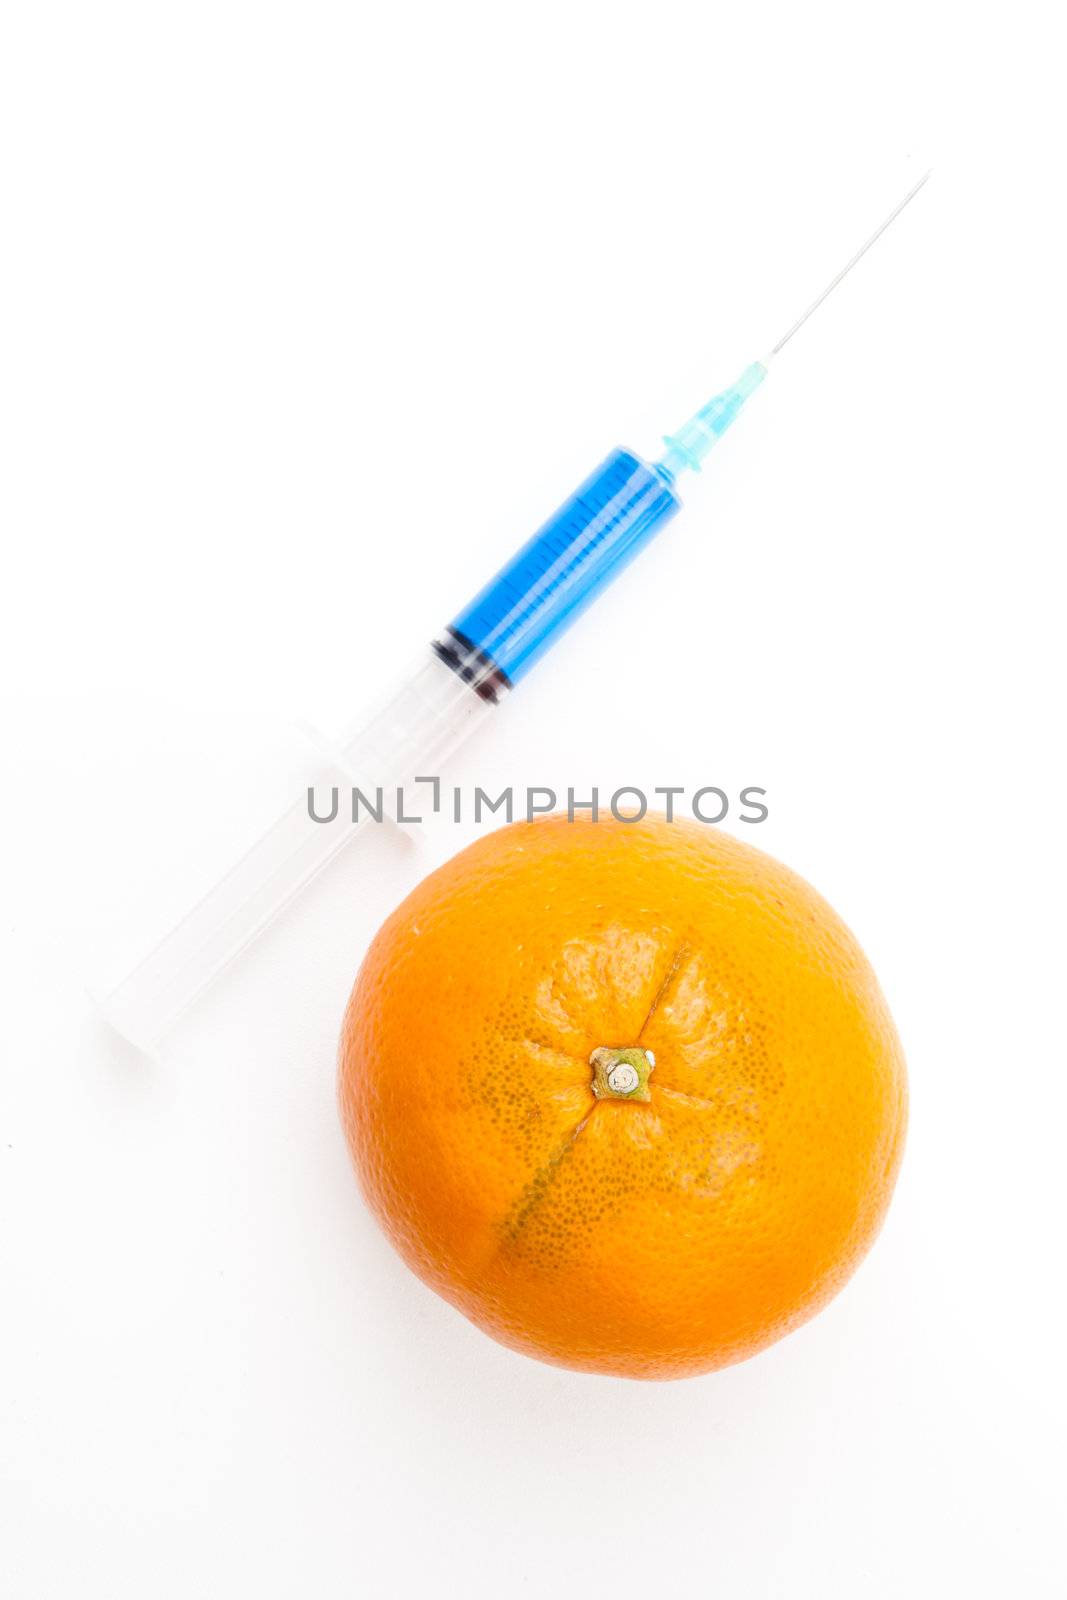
column 474, row 663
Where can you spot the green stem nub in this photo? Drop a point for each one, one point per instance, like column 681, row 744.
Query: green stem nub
column 621, row 1074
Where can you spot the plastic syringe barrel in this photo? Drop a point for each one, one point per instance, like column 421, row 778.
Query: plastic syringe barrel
column 497, row 638
column 485, row 650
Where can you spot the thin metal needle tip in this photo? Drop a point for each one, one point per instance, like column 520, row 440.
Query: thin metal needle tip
column 845, row 270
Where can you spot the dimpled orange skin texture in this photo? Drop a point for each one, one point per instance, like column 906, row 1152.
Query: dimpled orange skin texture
column 649, row 1240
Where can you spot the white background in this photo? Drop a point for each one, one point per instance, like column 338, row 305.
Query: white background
column 309, row 314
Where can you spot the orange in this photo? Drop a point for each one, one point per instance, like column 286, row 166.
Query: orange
column 626, row 1093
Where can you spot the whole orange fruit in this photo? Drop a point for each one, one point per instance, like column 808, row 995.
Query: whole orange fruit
column 626, row 1093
